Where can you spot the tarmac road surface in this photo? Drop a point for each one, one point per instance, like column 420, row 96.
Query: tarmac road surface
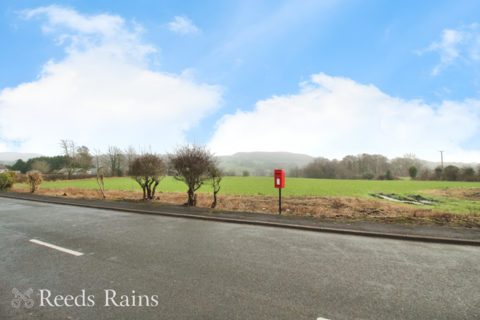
column 96, row 264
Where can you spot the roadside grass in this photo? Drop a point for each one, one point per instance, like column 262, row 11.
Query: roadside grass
column 343, row 209
column 301, row 187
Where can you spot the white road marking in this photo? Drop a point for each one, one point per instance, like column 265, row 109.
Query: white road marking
column 321, row 318
column 75, row 253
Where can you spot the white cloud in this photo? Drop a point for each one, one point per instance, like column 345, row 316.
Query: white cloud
column 462, row 43
column 183, row 25
column 102, row 93
column 333, row 117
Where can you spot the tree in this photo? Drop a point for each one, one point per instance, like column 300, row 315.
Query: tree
column 412, row 171
column 468, row 173
column 20, row 165
column 41, row 165
column 246, row 173
column 190, row 164
column 34, row 179
column 100, row 173
column 388, row 175
column 84, row 158
column 148, row 170
column 215, row 174
column 54, row 163
column 69, row 149
column 451, row 173
column 129, row 155
column 6, row 181
column 114, row 160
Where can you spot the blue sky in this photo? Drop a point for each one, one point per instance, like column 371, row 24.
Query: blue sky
column 254, row 71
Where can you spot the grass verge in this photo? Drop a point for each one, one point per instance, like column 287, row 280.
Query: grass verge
column 326, row 207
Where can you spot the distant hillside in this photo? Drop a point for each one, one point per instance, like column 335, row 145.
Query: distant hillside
column 11, row 157
column 263, row 163
column 261, row 156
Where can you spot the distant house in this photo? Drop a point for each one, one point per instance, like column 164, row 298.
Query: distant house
column 3, row 168
column 75, row 171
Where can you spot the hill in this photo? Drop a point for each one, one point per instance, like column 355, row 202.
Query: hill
column 12, row 157
column 263, row 163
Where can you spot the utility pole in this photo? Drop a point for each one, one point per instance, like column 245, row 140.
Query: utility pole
column 441, row 155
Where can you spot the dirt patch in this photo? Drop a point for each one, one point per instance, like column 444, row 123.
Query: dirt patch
column 471, row 194
column 337, row 208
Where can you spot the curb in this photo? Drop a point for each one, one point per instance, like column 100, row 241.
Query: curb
column 268, row 224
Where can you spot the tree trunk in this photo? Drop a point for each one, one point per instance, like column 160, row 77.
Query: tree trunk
column 192, row 198
column 214, row 203
column 154, row 187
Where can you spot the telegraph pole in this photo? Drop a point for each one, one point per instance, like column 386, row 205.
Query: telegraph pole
column 441, row 155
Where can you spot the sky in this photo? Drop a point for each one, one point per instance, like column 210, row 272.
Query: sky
column 325, row 78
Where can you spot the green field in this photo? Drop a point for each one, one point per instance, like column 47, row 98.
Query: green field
column 264, row 185
column 300, row 187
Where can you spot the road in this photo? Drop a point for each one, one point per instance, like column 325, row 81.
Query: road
column 192, row 269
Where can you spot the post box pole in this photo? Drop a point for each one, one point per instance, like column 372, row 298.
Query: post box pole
column 279, row 200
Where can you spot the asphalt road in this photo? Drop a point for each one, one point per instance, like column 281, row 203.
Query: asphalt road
column 192, row 269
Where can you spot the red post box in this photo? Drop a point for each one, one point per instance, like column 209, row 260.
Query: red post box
column 279, row 179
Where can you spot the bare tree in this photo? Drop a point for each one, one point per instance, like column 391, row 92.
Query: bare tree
column 190, row 164
column 215, row 174
column 100, row 173
column 69, row 149
column 113, row 160
column 148, row 170
column 84, row 158
column 129, row 155
column 41, row 165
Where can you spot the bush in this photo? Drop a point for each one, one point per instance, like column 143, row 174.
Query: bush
column 6, row 181
column 368, row 175
column 412, row 171
column 468, row 173
column 438, row 172
column 425, row 174
column 450, row 173
column 34, row 179
column 246, row 173
column 388, row 175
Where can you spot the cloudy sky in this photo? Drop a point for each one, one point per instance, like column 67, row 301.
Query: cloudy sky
column 322, row 77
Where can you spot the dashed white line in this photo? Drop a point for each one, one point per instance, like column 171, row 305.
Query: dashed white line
column 322, row 318
column 75, row 253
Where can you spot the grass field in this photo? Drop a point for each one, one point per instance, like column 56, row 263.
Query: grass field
column 294, row 186
column 300, row 187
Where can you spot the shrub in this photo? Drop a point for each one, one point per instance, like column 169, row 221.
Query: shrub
column 34, row 179
column 148, row 170
column 388, row 175
column 451, row 173
column 246, row 173
column 190, row 164
column 438, row 172
column 6, row 181
column 412, row 171
column 368, row 176
column 425, row 175
column 468, row 173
